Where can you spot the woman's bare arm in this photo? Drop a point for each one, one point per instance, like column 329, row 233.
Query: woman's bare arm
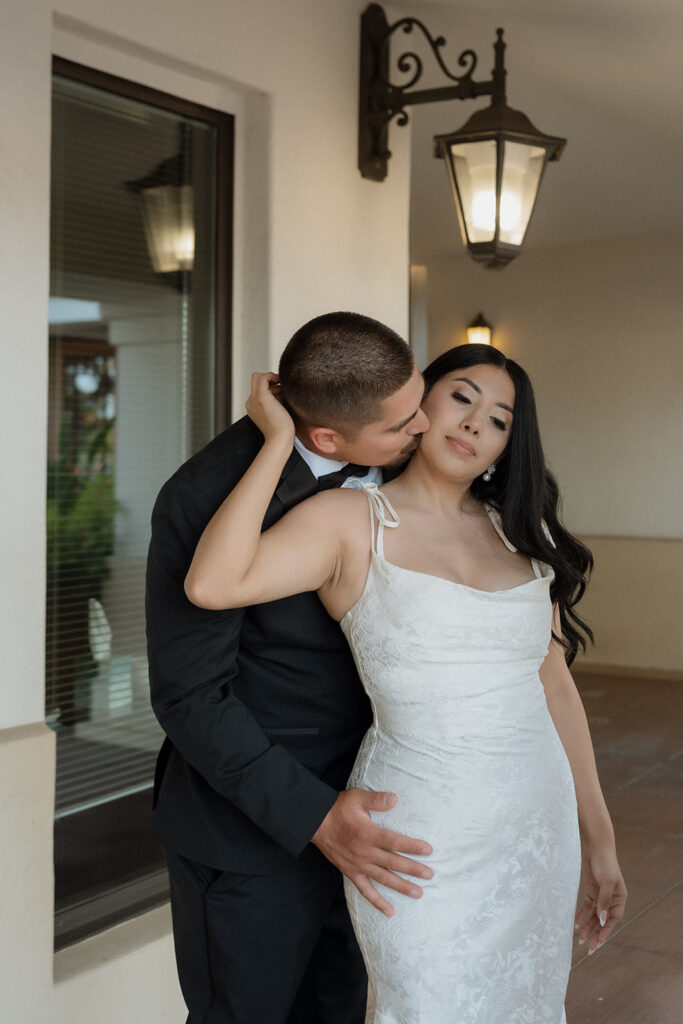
column 236, row 565
column 604, row 890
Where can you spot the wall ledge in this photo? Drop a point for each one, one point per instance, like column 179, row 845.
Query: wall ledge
column 116, row 943
column 631, row 671
column 31, row 731
column 587, row 538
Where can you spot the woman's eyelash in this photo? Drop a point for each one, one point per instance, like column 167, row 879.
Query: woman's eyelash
column 459, row 397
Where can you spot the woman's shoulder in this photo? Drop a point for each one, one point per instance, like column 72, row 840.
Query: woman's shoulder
column 342, row 509
column 339, row 500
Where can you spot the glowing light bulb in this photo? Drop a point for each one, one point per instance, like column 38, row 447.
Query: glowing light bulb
column 484, row 211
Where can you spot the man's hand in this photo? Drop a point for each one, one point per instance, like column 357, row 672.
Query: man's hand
column 364, row 852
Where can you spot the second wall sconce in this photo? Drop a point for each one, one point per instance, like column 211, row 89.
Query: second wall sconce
column 480, row 331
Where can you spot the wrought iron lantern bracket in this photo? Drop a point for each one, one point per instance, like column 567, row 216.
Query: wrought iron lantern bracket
column 380, row 101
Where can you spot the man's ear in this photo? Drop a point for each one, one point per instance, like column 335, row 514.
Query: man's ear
column 324, row 440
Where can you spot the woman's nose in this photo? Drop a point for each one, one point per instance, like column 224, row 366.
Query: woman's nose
column 472, row 426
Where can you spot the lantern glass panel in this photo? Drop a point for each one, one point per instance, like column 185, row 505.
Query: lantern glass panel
column 479, row 335
column 474, row 167
column 522, row 169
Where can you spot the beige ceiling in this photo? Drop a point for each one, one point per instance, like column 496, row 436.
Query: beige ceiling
column 605, row 74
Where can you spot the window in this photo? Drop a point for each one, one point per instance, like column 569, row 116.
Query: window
column 139, row 357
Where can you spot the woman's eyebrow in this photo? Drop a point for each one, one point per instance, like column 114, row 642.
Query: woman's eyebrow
column 470, row 382
column 476, row 387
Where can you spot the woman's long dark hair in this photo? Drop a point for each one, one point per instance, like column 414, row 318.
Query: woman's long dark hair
column 526, row 494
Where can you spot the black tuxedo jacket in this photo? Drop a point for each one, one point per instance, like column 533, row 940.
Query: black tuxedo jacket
column 262, row 707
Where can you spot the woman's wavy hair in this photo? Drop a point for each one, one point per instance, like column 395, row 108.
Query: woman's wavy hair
column 526, row 493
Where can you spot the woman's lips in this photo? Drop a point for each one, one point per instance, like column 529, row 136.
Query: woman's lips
column 462, row 447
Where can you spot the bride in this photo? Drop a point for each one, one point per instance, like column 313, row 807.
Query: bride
column 456, row 587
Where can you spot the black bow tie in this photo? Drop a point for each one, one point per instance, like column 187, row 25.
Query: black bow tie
column 336, row 479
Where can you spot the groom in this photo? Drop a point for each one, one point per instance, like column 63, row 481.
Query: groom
column 264, row 712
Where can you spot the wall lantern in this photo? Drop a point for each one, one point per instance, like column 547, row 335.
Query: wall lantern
column 167, row 209
column 495, row 162
column 480, row 331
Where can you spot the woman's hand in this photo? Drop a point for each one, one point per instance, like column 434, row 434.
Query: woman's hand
column 266, row 410
column 605, row 895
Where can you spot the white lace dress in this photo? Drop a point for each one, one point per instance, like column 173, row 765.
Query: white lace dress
column 463, row 735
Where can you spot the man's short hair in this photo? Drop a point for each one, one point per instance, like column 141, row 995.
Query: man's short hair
column 338, row 368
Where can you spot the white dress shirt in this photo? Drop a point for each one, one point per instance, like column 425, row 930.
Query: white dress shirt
column 320, row 466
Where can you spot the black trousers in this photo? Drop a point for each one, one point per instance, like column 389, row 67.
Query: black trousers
column 266, row 949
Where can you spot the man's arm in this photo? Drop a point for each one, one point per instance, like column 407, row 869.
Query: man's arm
column 193, row 664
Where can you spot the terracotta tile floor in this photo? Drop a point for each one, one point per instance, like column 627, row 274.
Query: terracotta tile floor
column 637, row 728
column 637, row 978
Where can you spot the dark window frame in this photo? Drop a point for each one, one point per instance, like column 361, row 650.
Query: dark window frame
column 131, row 898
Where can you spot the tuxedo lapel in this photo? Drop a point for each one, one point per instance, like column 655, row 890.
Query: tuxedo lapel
column 296, row 483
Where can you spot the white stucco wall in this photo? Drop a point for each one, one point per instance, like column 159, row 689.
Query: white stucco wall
column 310, row 236
column 598, row 328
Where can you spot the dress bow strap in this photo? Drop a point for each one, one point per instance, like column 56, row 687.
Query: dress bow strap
column 381, row 510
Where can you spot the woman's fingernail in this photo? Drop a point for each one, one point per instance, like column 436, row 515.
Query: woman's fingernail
column 576, row 927
column 581, row 942
column 603, row 918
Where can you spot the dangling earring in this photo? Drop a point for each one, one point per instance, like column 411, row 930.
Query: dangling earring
column 489, row 472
